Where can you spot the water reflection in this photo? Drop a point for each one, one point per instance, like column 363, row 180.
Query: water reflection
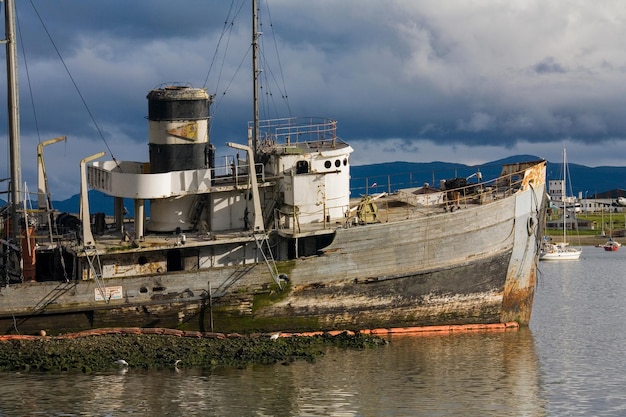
column 570, row 362
column 468, row 374
column 488, row 374
column 579, row 311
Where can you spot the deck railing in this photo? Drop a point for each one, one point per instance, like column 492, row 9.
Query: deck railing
column 391, row 183
column 296, row 130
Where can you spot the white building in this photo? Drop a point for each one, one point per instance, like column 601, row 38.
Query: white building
column 555, row 191
column 592, row 204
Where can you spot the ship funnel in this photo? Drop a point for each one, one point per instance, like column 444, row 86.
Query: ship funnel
column 178, row 129
column 179, row 140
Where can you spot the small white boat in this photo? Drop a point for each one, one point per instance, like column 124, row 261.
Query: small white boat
column 560, row 251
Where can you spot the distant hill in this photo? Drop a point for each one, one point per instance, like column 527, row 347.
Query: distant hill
column 589, row 181
column 98, row 202
column 394, row 175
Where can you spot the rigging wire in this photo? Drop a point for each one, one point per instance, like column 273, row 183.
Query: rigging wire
column 228, row 28
column 284, row 95
column 30, row 87
column 267, row 77
column 265, row 92
column 228, row 25
column 234, row 12
column 265, row 87
column 82, row 98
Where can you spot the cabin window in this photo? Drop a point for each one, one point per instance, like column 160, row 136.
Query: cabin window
column 337, row 163
column 345, row 161
column 327, row 164
column 302, row 167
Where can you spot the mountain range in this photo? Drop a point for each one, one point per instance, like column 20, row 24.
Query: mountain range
column 585, row 181
column 390, row 176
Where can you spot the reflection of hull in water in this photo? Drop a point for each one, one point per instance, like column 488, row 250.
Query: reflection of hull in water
column 501, row 368
column 476, row 374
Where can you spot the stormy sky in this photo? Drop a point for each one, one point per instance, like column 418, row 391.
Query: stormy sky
column 413, row 80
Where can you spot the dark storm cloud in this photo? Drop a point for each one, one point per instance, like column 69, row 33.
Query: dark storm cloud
column 418, row 80
column 548, row 65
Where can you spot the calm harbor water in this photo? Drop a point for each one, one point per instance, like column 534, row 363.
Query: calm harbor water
column 570, row 362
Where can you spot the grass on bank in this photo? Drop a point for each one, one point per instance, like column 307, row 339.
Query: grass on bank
column 604, row 225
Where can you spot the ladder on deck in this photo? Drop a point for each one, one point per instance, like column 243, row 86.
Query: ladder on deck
column 95, row 267
column 262, row 240
column 196, row 208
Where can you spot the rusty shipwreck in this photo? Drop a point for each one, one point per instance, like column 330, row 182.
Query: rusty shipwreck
column 266, row 239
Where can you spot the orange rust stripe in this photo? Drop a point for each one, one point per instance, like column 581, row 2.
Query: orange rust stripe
column 421, row 330
column 444, row 329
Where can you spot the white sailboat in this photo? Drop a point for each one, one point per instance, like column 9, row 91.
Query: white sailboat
column 611, row 245
column 560, row 251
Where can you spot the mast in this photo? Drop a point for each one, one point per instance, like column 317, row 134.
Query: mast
column 255, row 79
column 563, row 191
column 13, row 119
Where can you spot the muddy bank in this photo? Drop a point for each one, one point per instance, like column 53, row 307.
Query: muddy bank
column 95, row 353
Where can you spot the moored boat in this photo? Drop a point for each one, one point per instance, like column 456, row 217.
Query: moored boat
column 561, row 251
column 270, row 240
column 611, row 245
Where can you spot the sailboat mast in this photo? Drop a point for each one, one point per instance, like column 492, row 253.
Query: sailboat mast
column 255, row 78
column 14, row 121
column 563, row 191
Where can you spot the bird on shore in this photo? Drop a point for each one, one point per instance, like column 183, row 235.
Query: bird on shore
column 274, row 336
column 121, row 363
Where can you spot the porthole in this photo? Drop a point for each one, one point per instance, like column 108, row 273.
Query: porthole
column 345, row 161
column 337, row 163
column 327, row 164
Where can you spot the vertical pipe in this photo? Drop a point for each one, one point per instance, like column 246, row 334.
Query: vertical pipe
column 211, row 305
column 255, row 79
column 14, row 120
column 140, row 217
column 88, row 240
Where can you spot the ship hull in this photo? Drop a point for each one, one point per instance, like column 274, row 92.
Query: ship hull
column 474, row 265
